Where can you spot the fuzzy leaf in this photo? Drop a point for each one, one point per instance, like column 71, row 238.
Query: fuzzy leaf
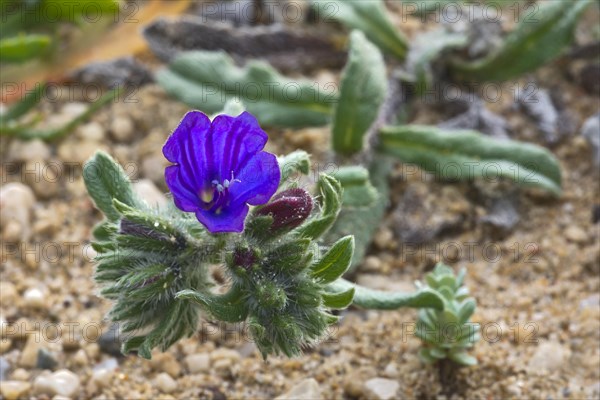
column 425, row 49
column 358, row 191
column 339, row 300
column 369, row 17
column 335, row 262
column 297, row 161
column 206, row 80
column 362, row 221
column 362, row 91
column 465, row 155
column 466, row 310
column 228, row 307
column 462, row 358
column 105, row 181
column 331, row 202
column 380, row 300
column 533, row 43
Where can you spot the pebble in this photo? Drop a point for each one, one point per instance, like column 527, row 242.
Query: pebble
column 383, row 237
column 46, row 359
column 549, row 356
column 8, row 292
column 197, row 363
column 225, row 354
column 4, row 367
column 32, row 150
column 29, row 355
column 165, row 383
column 420, row 217
column 109, row 341
column 16, row 204
column 122, row 129
column 166, row 362
column 78, row 151
column 12, row 390
column 148, row 191
column 502, row 216
column 101, row 378
column 307, row 389
column 44, row 178
column 575, row 234
column 34, row 298
column 381, row 388
column 91, row 131
column 591, row 131
column 61, row 383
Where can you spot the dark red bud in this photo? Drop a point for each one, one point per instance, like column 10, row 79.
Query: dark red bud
column 244, row 257
column 288, row 208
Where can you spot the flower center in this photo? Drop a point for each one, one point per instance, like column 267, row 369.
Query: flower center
column 214, row 196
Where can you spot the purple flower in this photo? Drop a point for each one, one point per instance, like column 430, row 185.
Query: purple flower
column 220, row 169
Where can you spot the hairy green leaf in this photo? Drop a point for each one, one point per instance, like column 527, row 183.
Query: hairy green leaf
column 297, row 161
column 229, row 307
column 534, row 42
column 105, row 181
column 362, row 91
column 369, row 17
column 358, row 190
column 206, row 80
column 425, row 49
column 362, row 221
column 335, row 262
column 465, row 155
column 339, row 300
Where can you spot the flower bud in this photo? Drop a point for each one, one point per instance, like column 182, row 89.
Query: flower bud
column 288, row 208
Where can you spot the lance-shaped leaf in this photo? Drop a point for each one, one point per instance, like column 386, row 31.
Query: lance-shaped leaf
column 425, row 49
column 369, row 17
column 105, row 181
column 362, row 221
column 340, row 300
column 26, row 132
column 358, row 190
column 19, row 49
column 535, row 41
column 228, row 307
column 362, row 90
column 206, row 80
column 465, row 155
column 335, row 262
column 28, row 101
column 381, row 300
column 331, row 203
column 297, row 161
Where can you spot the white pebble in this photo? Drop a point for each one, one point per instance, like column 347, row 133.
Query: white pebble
column 12, row 390
column 122, row 129
column 197, row 363
column 381, row 388
column 16, row 204
column 92, row 131
column 307, row 389
column 61, row 383
column 34, row 298
column 165, row 383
